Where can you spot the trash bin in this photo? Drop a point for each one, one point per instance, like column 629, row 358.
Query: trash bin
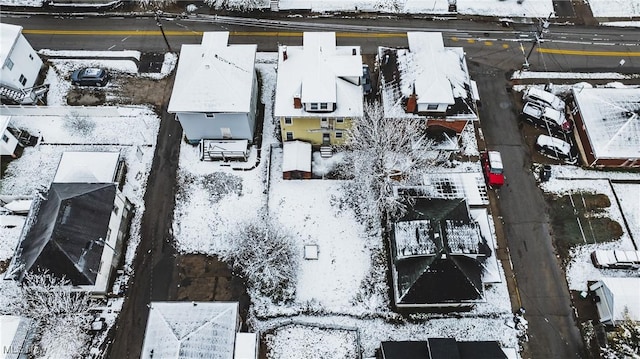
column 545, row 173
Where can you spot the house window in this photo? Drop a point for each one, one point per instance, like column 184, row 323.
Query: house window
column 339, row 120
column 324, row 122
column 5, row 138
column 8, row 64
column 210, row 115
column 324, row 106
column 338, row 134
column 23, row 80
column 432, row 107
column 314, row 106
column 288, row 121
column 289, row 136
column 226, row 132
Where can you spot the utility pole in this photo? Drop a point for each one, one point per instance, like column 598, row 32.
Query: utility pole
column 158, row 12
column 541, row 28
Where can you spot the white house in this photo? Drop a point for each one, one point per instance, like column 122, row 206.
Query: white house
column 215, row 93
column 184, row 330
column 78, row 227
column 9, row 142
column 616, row 295
column 428, row 80
column 20, row 63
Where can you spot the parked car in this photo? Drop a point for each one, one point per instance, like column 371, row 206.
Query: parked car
column 546, row 117
column 544, row 98
column 557, row 149
column 492, row 168
column 90, row 76
column 617, row 259
column 366, row 80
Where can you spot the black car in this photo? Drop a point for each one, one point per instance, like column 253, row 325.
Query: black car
column 90, row 76
column 366, row 80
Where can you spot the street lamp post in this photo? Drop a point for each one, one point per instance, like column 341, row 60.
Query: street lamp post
column 164, row 36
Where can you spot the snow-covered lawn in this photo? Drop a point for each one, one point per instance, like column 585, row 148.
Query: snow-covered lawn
column 568, row 179
column 213, row 199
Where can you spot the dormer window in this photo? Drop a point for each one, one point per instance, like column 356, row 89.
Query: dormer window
column 324, row 106
column 313, row 106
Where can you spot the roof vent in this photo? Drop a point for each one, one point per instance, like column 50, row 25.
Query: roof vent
column 284, row 53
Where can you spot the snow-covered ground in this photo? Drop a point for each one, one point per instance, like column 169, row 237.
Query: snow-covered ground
column 504, row 8
column 565, row 180
column 130, row 130
column 332, row 285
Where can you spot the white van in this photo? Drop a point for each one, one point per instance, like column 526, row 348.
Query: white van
column 546, row 117
column 545, row 98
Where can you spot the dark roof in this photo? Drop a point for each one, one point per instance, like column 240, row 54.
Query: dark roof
column 62, row 238
column 451, row 280
column 441, row 348
column 446, row 275
column 481, row 350
column 404, row 350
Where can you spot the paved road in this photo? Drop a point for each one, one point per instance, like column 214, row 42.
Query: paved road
column 154, row 262
column 489, row 43
column 543, row 290
column 542, row 286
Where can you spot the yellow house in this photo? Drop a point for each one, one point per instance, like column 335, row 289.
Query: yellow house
column 318, row 90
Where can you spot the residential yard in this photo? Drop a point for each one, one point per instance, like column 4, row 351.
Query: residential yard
column 346, row 287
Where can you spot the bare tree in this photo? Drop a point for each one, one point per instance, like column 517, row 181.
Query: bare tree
column 624, row 341
column 62, row 315
column 383, row 153
column 266, row 257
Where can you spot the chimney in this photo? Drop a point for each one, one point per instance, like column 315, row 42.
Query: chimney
column 297, row 101
column 284, row 53
column 412, row 103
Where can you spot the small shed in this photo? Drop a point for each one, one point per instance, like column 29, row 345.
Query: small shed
column 296, row 160
column 246, row 346
column 614, row 296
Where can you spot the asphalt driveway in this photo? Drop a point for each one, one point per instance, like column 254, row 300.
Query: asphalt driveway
column 542, row 286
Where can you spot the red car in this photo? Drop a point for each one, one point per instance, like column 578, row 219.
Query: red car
column 492, row 168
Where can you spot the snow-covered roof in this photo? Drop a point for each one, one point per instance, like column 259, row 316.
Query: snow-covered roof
column 435, row 73
column 188, row 330
column 436, row 243
column 8, row 35
column 296, row 156
column 4, row 122
column 431, row 82
column 87, row 167
column 469, row 185
column 246, row 346
column 214, row 76
column 624, row 296
column 319, row 72
column 612, row 120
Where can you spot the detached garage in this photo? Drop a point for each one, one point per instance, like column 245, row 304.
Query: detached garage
column 607, row 126
column 296, row 160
